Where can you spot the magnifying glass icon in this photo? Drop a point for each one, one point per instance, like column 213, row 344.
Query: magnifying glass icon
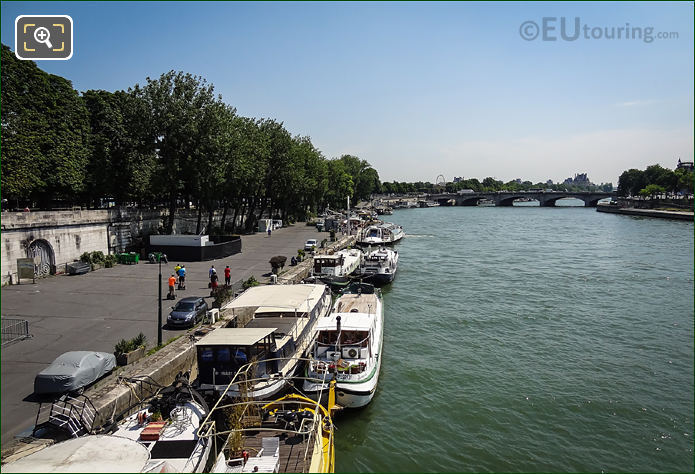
column 42, row 35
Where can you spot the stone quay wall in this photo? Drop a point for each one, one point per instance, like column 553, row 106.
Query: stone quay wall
column 60, row 237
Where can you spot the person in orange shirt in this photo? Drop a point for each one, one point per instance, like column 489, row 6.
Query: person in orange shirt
column 172, row 285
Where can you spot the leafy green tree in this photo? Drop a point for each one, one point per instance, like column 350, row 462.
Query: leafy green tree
column 45, row 133
column 176, row 109
column 652, row 190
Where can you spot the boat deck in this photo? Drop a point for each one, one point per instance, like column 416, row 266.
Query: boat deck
column 295, row 449
column 356, row 304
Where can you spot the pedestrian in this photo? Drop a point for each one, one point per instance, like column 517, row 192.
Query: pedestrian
column 269, row 231
column 172, row 286
column 227, row 275
column 182, row 277
column 211, row 272
column 213, row 283
column 177, row 268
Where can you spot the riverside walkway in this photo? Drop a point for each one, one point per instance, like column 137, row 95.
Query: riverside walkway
column 96, row 310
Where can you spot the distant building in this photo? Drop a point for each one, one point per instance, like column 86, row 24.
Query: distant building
column 517, row 180
column 458, row 179
column 686, row 165
column 549, row 182
column 580, row 179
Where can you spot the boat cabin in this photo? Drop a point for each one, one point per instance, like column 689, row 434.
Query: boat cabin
column 329, row 264
column 222, row 352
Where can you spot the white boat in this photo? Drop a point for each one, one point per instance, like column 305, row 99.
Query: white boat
column 379, row 266
column 281, row 322
column 159, row 437
column 336, row 269
column 347, row 348
column 381, row 234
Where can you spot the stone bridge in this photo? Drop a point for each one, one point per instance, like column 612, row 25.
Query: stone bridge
column 507, row 198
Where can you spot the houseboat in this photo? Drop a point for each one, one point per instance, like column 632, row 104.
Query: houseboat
column 276, row 326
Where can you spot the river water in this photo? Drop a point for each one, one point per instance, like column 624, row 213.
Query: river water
column 532, row 339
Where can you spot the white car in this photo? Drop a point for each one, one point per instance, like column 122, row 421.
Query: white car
column 310, row 244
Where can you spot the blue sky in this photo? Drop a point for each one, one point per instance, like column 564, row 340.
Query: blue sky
column 416, row 89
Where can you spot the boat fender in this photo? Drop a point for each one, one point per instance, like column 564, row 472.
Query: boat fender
column 245, row 455
column 142, row 416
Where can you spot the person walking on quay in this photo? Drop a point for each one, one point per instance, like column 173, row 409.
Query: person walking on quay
column 227, row 275
column 211, row 272
column 269, row 231
column 213, row 283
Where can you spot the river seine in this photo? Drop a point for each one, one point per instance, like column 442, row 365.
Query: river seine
column 532, row 339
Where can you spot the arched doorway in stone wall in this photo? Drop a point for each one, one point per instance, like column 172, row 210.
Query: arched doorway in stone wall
column 42, row 249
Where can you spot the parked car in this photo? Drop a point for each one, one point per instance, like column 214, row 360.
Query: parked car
column 310, row 245
column 74, row 370
column 187, row 312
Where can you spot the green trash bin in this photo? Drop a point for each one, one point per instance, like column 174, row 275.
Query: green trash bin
column 134, row 257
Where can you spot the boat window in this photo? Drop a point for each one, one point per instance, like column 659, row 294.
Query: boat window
column 223, row 354
column 328, row 337
column 206, row 354
column 354, row 338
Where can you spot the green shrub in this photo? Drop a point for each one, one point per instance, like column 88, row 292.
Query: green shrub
column 109, row 261
column 97, row 256
column 301, row 253
column 223, row 295
column 139, row 340
column 250, row 282
column 124, row 346
column 86, row 257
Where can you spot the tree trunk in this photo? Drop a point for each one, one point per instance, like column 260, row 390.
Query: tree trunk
column 236, row 213
column 249, row 222
column 172, row 213
column 211, row 214
column 225, row 207
column 200, row 217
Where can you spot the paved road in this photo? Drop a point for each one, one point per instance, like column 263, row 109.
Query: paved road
column 96, row 310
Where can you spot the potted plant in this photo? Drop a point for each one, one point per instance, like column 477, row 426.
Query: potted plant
column 300, row 255
column 127, row 352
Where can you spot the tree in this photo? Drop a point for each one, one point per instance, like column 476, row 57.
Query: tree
column 176, row 128
column 45, row 133
column 631, row 182
column 652, row 190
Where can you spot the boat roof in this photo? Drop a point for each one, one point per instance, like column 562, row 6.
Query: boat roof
column 301, row 297
column 95, row 453
column 235, row 336
column 283, row 325
column 348, row 321
column 354, row 303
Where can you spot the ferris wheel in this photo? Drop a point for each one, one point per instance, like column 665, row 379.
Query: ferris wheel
column 440, row 181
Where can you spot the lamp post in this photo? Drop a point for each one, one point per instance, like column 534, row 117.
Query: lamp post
column 159, row 310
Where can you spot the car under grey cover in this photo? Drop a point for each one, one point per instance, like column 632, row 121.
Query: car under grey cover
column 73, row 370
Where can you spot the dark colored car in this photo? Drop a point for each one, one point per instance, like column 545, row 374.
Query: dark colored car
column 187, row 312
column 74, row 370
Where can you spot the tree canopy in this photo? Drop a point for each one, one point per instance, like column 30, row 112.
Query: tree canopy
column 170, row 141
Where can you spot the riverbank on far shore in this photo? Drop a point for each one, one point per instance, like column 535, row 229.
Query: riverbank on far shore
column 658, row 213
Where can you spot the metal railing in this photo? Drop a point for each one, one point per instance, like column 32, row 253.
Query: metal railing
column 73, row 414
column 14, row 330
